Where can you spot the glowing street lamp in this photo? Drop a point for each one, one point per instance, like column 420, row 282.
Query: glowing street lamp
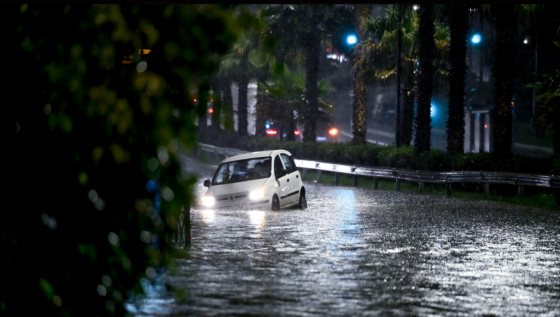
column 476, row 38
column 352, row 39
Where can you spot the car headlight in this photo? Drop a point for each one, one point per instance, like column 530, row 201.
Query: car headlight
column 256, row 194
column 208, row 201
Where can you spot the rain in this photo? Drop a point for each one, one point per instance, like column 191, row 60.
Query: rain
column 281, row 160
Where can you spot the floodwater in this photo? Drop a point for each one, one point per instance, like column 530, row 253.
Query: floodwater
column 367, row 252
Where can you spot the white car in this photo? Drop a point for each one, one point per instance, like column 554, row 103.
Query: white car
column 267, row 180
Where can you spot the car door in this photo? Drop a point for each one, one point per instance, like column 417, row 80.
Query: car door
column 283, row 181
column 292, row 179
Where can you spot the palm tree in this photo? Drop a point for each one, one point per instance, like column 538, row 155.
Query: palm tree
column 459, row 25
column 306, row 27
column 382, row 60
column 506, row 18
column 359, row 104
column 281, row 97
column 426, row 54
column 249, row 58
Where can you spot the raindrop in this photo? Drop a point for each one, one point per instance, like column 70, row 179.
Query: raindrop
column 48, row 221
column 151, row 272
column 101, row 290
column 113, row 238
column 57, row 301
column 141, row 67
column 163, row 155
column 172, row 146
column 106, row 279
column 125, row 262
column 92, row 195
column 47, row 109
column 99, row 204
column 145, row 236
column 110, row 305
column 168, row 194
column 153, row 164
column 117, row 295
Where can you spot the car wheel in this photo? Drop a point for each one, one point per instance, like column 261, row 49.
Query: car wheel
column 302, row 202
column 275, row 203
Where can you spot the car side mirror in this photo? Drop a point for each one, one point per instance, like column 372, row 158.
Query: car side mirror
column 207, row 183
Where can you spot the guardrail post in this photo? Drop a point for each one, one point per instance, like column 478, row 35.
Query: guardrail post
column 398, row 185
column 486, row 190
column 355, row 179
column 448, row 188
column 375, row 183
column 337, row 179
column 319, row 176
column 421, row 188
column 304, row 176
column 520, row 191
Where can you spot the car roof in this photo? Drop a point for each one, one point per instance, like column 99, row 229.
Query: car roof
column 255, row 155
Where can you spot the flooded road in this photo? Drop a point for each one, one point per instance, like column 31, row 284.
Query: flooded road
column 366, row 252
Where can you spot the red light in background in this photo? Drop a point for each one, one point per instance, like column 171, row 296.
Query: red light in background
column 328, row 49
column 194, row 100
column 271, row 132
column 296, row 132
column 485, row 126
column 211, row 100
column 333, row 131
column 211, row 110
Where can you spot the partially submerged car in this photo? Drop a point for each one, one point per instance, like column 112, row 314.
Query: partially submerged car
column 266, row 180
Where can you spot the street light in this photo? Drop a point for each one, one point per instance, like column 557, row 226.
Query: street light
column 476, row 39
column 352, row 39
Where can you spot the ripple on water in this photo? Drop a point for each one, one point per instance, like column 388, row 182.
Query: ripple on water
column 359, row 251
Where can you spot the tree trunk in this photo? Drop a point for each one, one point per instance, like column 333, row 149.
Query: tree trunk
column 260, row 128
column 426, row 53
column 398, row 137
column 242, row 103
column 359, row 104
column 457, row 54
column 217, row 106
column 503, row 80
column 408, row 95
column 227, row 103
column 311, row 70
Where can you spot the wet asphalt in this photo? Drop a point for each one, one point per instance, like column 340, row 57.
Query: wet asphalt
column 360, row 252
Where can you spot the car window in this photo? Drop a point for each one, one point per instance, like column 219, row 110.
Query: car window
column 293, row 162
column 278, row 167
column 243, row 170
column 288, row 163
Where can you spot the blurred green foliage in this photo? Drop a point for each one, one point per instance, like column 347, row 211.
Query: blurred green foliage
column 89, row 125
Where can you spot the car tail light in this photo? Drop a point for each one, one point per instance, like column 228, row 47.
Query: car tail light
column 296, row 132
column 333, row 131
column 271, row 132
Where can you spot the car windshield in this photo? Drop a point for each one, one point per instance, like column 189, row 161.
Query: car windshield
column 241, row 171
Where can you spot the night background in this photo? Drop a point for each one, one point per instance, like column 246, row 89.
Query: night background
column 116, row 114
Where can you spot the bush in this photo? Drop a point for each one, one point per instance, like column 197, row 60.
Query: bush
column 390, row 156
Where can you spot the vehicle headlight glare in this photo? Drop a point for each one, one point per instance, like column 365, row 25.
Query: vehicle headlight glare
column 208, row 201
column 256, row 194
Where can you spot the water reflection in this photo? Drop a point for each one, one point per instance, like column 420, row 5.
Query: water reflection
column 257, row 218
column 208, row 216
column 357, row 251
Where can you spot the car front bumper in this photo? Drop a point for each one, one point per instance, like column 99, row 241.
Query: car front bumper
column 264, row 203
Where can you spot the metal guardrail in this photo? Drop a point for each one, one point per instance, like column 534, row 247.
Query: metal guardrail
column 414, row 176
